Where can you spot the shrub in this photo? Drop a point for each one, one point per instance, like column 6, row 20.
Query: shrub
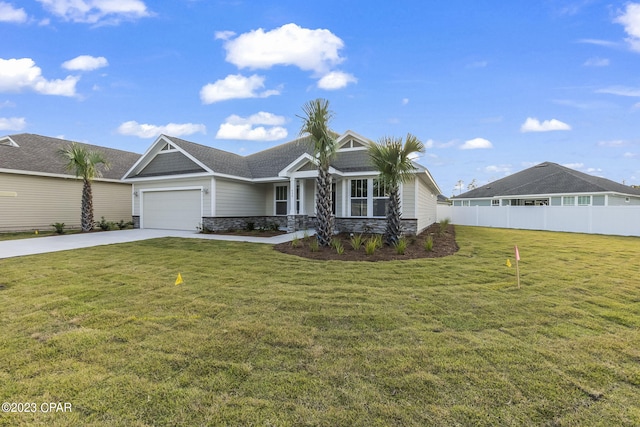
column 305, row 236
column 370, row 246
column 401, row 246
column 59, row 226
column 104, row 225
column 377, row 238
column 444, row 225
column 273, row 226
column 356, row 241
column 428, row 244
column 295, row 242
column 250, row 226
column 122, row 225
column 337, row 245
column 314, row 245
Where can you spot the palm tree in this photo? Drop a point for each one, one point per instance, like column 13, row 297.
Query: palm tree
column 392, row 160
column 315, row 123
column 84, row 163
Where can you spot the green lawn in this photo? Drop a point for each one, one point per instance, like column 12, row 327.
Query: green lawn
column 256, row 337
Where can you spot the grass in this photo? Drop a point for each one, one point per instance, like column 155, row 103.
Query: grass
column 256, row 337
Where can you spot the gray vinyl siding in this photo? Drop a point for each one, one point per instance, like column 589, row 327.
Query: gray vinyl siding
column 620, row 201
column 408, row 202
column 557, row 201
column 239, row 199
column 310, row 195
column 165, row 184
column 598, row 200
column 170, row 164
column 480, row 202
column 427, row 202
column 41, row 201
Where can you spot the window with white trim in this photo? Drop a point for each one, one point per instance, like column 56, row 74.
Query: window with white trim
column 495, row 202
column 358, row 199
column 568, row 201
column 281, row 199
column 380, row 198
column 584, row 200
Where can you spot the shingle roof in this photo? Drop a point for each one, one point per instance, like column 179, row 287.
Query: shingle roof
column 39, row 154
column 547, row 178
column 268, row 163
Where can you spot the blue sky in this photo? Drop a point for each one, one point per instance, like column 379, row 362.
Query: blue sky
column 490, row 87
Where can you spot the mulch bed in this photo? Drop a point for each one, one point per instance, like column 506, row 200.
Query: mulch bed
column 444, row 244
column 254, row 233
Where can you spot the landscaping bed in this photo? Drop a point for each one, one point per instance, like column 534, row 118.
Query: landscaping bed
column 443, row 237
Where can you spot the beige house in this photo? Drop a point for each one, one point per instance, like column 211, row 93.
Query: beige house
column 36, row 190
column 178, row 184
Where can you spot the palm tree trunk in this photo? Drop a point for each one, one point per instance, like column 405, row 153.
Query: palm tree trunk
column 394, row 224
column 87, row 207
column 324, row 215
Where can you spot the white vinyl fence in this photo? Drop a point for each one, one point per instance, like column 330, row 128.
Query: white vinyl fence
column 617, row 220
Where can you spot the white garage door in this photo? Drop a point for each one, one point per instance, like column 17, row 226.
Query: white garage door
column 172, row 210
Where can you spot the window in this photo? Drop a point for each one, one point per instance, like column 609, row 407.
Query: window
column 495, row 202
column 380, row 198
column 568, row 201
column 584, row 200
column 358, row 197
column 281, row 200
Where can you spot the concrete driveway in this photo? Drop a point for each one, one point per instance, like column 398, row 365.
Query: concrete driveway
column 40, row 245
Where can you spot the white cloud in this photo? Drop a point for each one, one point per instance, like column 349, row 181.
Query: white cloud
column 85, row 63
column 620, row 91
column 235, row 86
column 244, row 128
column 316, row 50
column 598, row 42
column 224, row 35
column 630, row 19
column 151, row 131
column 596, row 62
column 405, row 101
column 630, row 155
column 96, row 11
column 19, row 74
column 336, row 80
column 12, row 123
column 476, row 143
column 573, row 165
column 10, row 14
column 613, row 143
column 534, row 125
column 478, row 64
column 493, row 169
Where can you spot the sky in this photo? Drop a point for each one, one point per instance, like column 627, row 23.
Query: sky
column 490, row 87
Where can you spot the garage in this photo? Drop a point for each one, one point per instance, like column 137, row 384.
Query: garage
column 172, row 210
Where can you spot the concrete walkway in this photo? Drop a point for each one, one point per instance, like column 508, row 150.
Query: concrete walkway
column 40, row 245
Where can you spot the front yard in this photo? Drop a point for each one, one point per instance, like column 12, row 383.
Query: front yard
column 257, row 337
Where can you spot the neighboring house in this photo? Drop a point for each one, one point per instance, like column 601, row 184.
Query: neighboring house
column 550, row 197
column 550, row 184
column 36, row 190
column 182, row 185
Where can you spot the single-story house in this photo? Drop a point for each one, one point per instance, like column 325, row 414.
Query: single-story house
column 36, row 190
column 550, row 197
column 183, row 185
column 550, row 184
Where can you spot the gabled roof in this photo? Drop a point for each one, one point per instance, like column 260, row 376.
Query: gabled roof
column 271, row 163
column 547, row 178
column 38, row 155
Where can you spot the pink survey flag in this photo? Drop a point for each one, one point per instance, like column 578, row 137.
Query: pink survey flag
column 517, row 254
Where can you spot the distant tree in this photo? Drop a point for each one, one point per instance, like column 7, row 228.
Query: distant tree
column 459, row 186
column 472, row 185
column 315, row 123
column 85, row 164
column 392, row 159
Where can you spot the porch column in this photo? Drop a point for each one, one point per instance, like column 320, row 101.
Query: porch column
column 302, row 209
column 292, row 196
